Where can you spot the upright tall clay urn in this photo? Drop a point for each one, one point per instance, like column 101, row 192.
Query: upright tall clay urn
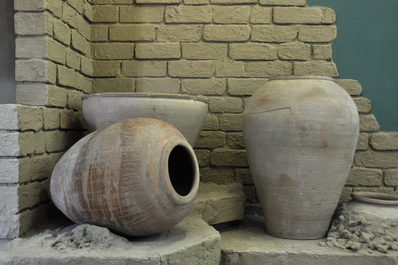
column 137, row 177
column 300, row 134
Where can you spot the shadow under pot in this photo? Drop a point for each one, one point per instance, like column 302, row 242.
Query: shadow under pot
column 137, row 177
column 300, row 133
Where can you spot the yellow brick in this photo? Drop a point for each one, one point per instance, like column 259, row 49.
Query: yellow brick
column 179, row 33
column 226, row 33
column 231, row 14
column 188, row 14
column 157, row 51
column 271, row 33
column 316, row 68
column 317, row 33
column 144, row 68
column 62, row 32
column 105, row 68
column 322, row 52
column 140, row 14
column 298, row 15
column 80, row 43
column 268, row 69
column 132, row 33
column 157, row 85
column 212, row 86
column 283, row 2
column 101, row 85
column 261, row 15
column 185, row 68
column 204, row 51
column 113, row 50
column 66, row 77
column 72, row 59
column 294, row 51
column 99, row 32
column 253, row 51
column 230, row 69
column 105, row 13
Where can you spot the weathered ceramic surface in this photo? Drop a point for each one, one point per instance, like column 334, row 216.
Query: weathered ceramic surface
column 186, row 113
column 300, row 135
column 384, row 206
column 137, row 177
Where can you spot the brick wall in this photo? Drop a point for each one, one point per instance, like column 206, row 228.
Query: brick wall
column 222, row 49
column 53, row 70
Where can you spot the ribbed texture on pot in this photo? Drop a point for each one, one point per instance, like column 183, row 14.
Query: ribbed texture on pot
column 127, row 177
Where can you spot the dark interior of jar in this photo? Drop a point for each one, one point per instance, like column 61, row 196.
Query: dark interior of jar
column 181, row 170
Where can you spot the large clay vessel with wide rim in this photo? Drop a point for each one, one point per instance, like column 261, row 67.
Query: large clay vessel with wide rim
column 186, row 113
column 300, row 134
column 137, row 177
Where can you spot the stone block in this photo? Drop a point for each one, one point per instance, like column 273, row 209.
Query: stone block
column 9, row 117
column 294, row 51
column 363, row 142
column 33, row 23
column 368, row 123
column 80, row 43
column 203, row 157
column 157, row 50
column 322, row 68
column 363, row 104
column 390, row 177
column 204, row 51
column 51, row 119
column 73, row 59
column 225, row 105
column 376, row 159
column 230, row 68
column 217, row 204
column 268, row 69
column 188, row 14
column 55, row 141
column 32, row 5
column 9, row 221
column 66, row 77
column 298, row 15
column 211, row 139
column 384, row 141
column 112, row 51
column 212, row 86
column 283, row 2
column 231, row 14
column 105, row 13
column 235, row 140
column 226, row 33
column 185, row 68
column 243, row 176
column 70, row 15
column 273, row 33
column 31, row 47
column 105, row 68
column 365, row 177
column 232, row 2
column 144, row 68
column 141, row 14
column 138, row 32
column 329, row 15
column 244, row 86
column 62, row 32
column 217, row 175
column 261, row 15
column 74, row 100
column 158, row 85
column 211, row 123
column 179, row 33
column 101, row 85
column 28, row 195
column 253, row 52
column 35, row 70
column 9, row 170
column 30, row 118
column 99, row 32
column 230, row 122
column 353, row 87
column 228, row 157
column 322, row 51
column 158, row 1
column 317, row 33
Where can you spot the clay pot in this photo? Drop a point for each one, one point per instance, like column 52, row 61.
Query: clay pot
column 300, row 134
column 184, row 112
column 382, row 205
column 137, row 177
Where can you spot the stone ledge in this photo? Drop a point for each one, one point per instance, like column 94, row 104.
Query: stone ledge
column 219, row 203
column 190, row 242
column 249, row 245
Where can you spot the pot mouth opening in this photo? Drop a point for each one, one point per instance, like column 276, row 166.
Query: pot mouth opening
column 376, row 198
column 181, row 170
column 301, row 77
column 147, row 95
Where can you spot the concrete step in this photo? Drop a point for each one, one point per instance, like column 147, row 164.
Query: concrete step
column 190, row 242
column 248, row 244
column 217, row 204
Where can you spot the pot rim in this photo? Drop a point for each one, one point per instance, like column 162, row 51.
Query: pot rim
column 147, row 95
column 376, row 198
column 301, row 77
